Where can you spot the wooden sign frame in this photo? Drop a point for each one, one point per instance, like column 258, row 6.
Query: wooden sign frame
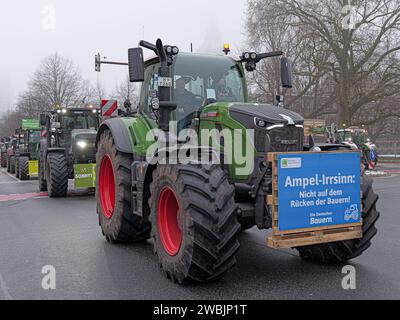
column 309, row 236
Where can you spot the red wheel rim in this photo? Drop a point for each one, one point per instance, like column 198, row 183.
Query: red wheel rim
column 170, row 221
column 107, row 187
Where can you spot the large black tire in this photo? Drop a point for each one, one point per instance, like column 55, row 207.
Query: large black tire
column 117, row 222
column 246, row 224
column 23, row 168
column 205, row 215
column 57, row 175
column 41, row 176
column 339, row 252
column 8, row 164
column 17, row 172
column 12, row 165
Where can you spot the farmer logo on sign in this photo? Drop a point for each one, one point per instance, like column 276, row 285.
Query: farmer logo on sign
column 290, row 163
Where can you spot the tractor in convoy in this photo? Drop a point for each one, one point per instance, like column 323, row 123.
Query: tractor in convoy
column 11, row 150
column 68, row 149
column 193, row 210
column 358, row 137
column 3, row 151
column 27, row 152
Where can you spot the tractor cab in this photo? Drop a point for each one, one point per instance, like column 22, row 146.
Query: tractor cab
column 69, row 149
column 75, row 130
column 198, row 81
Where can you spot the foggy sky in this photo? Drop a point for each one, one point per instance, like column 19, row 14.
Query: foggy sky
column 28, row 33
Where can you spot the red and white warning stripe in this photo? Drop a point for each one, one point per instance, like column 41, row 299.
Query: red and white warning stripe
column 109, row 108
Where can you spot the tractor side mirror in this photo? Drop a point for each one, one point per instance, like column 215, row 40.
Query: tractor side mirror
column 286, row 73
column 43, row 119
column 136, row 65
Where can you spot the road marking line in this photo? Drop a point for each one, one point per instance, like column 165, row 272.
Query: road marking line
column 26, row 196
column 12, row 182
column 4, row 289
column 11, row 176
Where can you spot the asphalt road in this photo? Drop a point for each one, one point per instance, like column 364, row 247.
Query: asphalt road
column 64, row 233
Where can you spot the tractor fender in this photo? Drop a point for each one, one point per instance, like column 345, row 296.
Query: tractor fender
column 119, row 133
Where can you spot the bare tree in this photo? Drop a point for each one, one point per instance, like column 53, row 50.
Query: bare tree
column 126, row 90
column 100, row 92
column 341, row 68
column 9, row 121
column 57, row 82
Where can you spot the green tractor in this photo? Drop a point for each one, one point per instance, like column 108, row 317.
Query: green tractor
column 194, row 211
column 358, row 137
column 5, row 142
column 11, row 151
column 27, row 152
column 68, row 149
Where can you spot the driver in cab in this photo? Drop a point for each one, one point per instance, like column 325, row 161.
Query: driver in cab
column 184, row 97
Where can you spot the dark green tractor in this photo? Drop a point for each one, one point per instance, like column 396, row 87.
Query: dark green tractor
column 27, row 152
column 68, row 150
column 5, row 142
column 194, row 210
column 11, row 151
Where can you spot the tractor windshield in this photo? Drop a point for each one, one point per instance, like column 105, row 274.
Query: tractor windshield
column 79, row 120
column 201, row 79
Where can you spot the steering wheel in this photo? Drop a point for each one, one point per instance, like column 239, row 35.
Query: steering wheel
column 186, row 121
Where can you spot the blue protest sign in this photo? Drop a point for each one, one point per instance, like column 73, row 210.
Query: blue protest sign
column 318, row 190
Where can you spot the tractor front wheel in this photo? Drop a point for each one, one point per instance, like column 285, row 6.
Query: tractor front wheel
column 12, row 165
column 343, row 251
column 194, row 222
column 23, row 167
column 57, row 175
column 42, row 177
column 113, row 194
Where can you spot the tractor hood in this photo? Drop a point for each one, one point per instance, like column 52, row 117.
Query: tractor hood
column 247, row 113
column 83, row 145
column 275, row 129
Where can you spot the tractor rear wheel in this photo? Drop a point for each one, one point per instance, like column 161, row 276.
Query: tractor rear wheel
column 23, row 168
column 57, row 175
column 41, row 176
column 114, row 195
column 194, row 222
column 343, row 251
column 12, row 164
column 8, row 164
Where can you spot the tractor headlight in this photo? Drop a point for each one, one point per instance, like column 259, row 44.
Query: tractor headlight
column 82, row 144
